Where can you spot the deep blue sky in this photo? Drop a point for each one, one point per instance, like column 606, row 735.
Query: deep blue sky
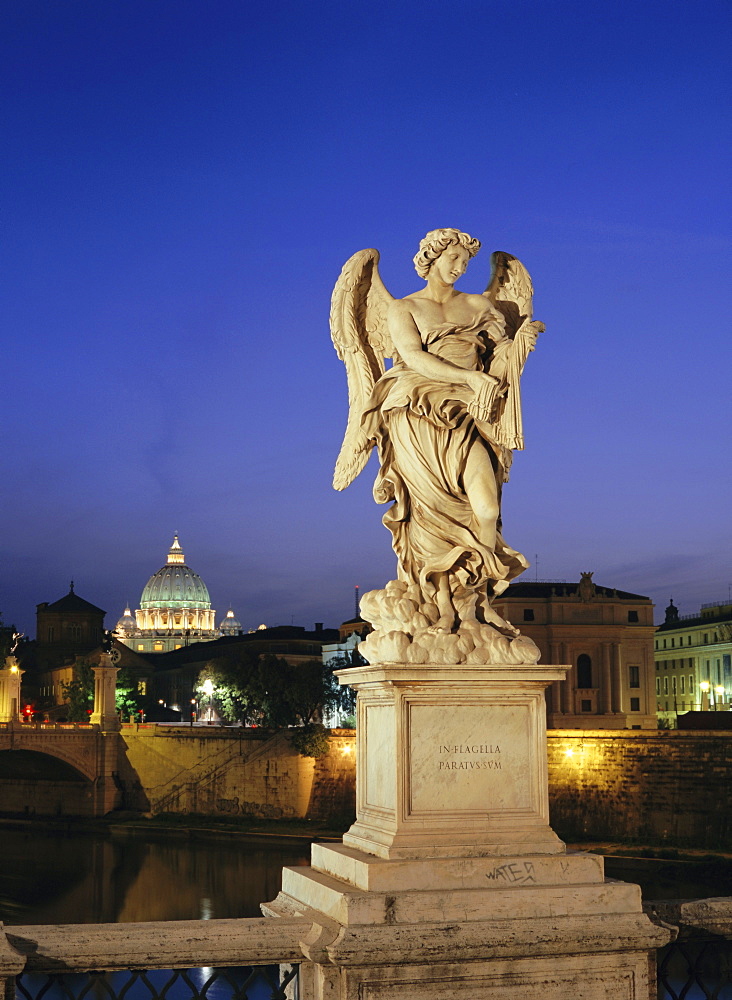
column 183, row 180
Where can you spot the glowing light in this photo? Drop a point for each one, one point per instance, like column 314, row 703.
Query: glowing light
column 569, row 752
column 347, row 749
column 14, row 669
column 719, row 690
column 208, row 687
column 704, row 686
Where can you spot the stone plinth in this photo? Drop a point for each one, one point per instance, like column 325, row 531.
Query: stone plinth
column 451, row 883
column 10, row 680
column 105, row 711
column 451, row 761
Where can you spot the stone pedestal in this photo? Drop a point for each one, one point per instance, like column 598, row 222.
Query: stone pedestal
column 10, row 678
column 105, row 682
column 451, row 882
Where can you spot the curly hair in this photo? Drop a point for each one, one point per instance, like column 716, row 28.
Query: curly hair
column 435, row 242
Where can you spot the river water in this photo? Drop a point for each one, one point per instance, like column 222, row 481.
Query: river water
column 70, row 876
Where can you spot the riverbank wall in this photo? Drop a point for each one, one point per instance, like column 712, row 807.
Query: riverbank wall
column 237, row 772
column 632, row 786
column 665, row 787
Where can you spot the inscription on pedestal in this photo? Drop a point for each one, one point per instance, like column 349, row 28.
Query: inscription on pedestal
column 471, row 757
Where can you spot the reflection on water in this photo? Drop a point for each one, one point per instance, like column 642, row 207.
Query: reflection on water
column 663, row 879
column 76, row 877
column 72, row 877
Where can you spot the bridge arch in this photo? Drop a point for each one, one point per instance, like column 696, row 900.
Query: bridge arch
column 35, row 782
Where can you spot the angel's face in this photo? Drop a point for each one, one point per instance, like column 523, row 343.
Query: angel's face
column 451, row 263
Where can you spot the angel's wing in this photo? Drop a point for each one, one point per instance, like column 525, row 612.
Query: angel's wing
column 510, row 290
column 361, row 339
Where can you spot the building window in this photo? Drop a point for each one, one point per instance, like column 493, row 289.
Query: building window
column 584, row 671
column 706, row 637
column 673, row 684
column 682, row 684
column 634, row 677
column 586, row 705
column 142, row 687
column 528, row 614
column 665, row 685
column 632, row 616
column 658, row 686
column 664, row 643
column 51, row 633
column 74, row 631
column 158, row 647
column 140, row 646
column 691, row 683
column 635, row 704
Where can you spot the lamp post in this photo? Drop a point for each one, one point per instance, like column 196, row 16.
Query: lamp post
column 718, row 695
column 704, row 688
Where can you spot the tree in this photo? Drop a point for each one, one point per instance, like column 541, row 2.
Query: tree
column 79, row 692
column 266, row 690
column 126, row 699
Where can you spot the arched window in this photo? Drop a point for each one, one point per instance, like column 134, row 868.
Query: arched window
column 584, row 671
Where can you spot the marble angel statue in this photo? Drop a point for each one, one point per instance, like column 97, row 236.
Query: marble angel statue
column 445, row 418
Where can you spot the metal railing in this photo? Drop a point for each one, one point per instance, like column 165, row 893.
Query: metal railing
column 258, row 958
column 269, row 982
column 697, row 964
column 247, row 959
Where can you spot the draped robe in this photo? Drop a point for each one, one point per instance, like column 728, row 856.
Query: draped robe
column 424, row 432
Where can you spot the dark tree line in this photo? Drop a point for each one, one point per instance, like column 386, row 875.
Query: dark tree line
column 267, row 690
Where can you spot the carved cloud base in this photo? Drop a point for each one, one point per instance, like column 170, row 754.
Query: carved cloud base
column 451, row 883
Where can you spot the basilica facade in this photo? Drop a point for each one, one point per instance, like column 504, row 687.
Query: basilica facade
column 175, row 610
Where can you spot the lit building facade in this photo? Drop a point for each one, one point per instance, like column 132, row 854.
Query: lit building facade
column 693, row 656
column 606, row 637
column 175, row 610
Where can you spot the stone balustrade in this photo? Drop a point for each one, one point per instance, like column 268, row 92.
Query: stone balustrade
column 701, row 928
column 172, row 944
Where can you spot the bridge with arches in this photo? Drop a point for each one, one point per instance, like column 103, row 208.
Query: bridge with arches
column 61, row 769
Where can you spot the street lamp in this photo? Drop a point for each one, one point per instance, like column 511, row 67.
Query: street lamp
column 719, row 693
column 704, row 688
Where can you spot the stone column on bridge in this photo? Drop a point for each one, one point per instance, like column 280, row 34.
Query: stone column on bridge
column 10, row 676
column 105, row 681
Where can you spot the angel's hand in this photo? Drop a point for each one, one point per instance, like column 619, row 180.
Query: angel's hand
column 480, row 381
column 530, row 331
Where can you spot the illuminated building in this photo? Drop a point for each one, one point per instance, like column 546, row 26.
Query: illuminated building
column 230, row 625
column 693, row 656
column 175, row 609
column 606, row 637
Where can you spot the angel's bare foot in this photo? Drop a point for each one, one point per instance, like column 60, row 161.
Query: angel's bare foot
column 493, row 618
column 443, row 624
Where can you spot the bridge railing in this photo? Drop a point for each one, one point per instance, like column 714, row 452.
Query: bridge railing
column 257, row 959
column 174, row 959
column 27, row 727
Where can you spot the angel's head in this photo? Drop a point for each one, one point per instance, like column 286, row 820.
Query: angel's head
column 435, row 242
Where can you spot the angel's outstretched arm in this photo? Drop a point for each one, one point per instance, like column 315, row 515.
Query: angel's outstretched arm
column 408, row 344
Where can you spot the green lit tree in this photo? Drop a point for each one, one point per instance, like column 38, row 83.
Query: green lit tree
column 126, row 699
column 79, row 692
column 267, row 690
